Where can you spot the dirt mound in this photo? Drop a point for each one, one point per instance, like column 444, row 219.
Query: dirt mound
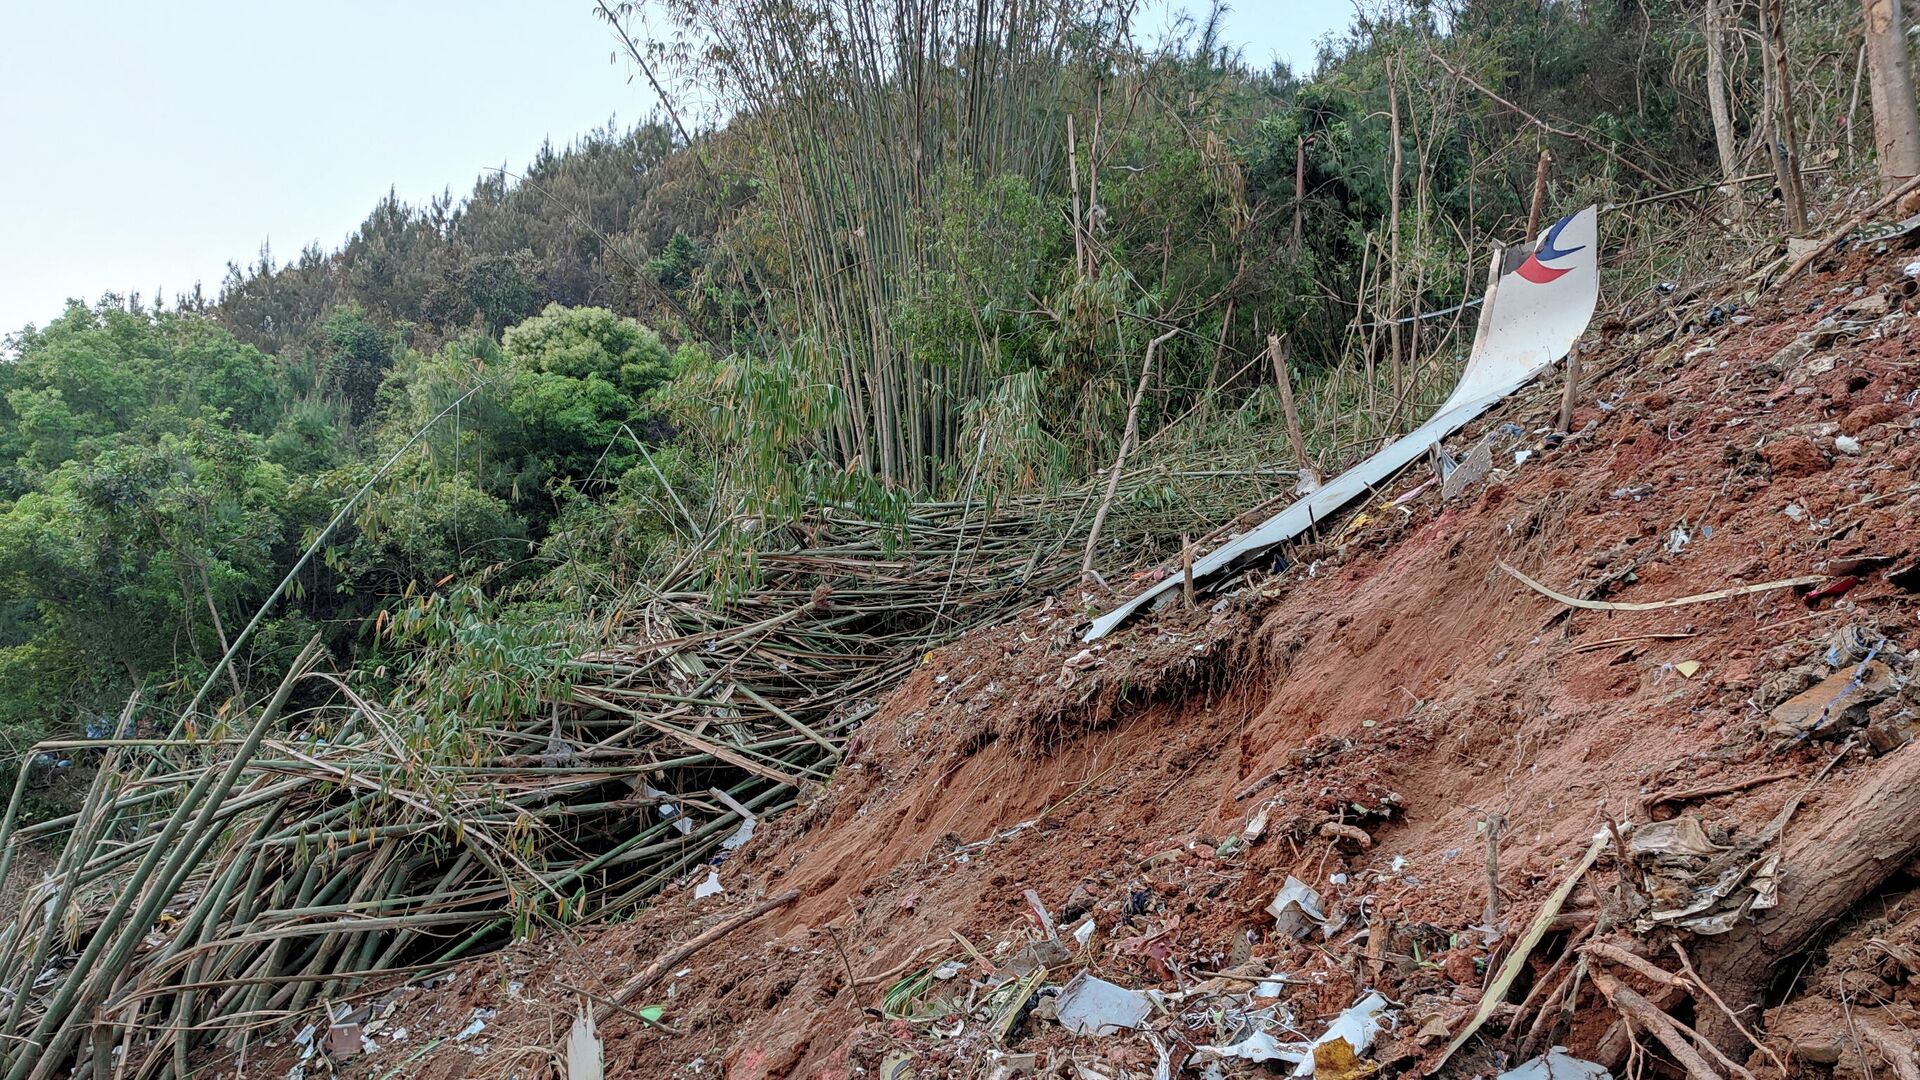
column 1359, row 716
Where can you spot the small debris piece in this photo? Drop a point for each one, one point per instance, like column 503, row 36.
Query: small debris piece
column 585, row 1056
column 1687, row 668
column 1557, row 1064
column 1679, row 836
column 1259, row 1046
column 1850, row 644
column 1469, row 472
column 1093, row 1006
column 1334, row 830
column 1842, row 696
column 1040, row 912
column 1837, row 587
column 343, row 1042
column 710, row 887
column 1296, row 909
column 739, row 837
column 1848, row 445
column 476, row 1025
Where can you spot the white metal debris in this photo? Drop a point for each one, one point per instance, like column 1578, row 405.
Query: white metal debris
column 1094, row 1006
column 1542, row 308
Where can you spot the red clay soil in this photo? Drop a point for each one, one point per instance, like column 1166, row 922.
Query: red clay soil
column 1380, row 695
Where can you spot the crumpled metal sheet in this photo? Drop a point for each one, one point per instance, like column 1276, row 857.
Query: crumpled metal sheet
column 1697, row 885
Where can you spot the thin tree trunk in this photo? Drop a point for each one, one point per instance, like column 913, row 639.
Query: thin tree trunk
column 1717, row 101
column 1896, row 127
column 1853, row 101
column 1120, row 458
column 1073, row 185
column 1393, row 243
column 1785, row 147
column 1830, row 860
column 220, row 631
column 1299, row 186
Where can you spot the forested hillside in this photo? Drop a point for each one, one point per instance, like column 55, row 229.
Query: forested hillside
column 512, row 562
column 858, row 275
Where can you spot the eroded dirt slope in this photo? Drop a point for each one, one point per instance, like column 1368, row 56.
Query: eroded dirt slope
column 1374, row 700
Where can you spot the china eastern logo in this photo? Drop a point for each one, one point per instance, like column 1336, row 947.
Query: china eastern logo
column 1535, row 269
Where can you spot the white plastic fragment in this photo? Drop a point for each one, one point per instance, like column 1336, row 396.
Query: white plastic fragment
column 1084, row 932
column 744, row 833
column 1259, row 1046
column 1848, row 445
column 476, row 1025
column 1296, row 908
column 1093, row 1006
column 1358, row 1025
column 709, row 887
column 305, row 1041
column 668, row 811
column 1557, row 1064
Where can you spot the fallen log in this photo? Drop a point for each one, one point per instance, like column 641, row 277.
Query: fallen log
column 1830, row 861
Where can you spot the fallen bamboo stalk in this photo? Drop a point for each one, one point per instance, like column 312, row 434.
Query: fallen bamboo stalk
column 1679, row 601
column 1496, row 991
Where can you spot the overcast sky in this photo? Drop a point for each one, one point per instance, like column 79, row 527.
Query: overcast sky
column 143, row 145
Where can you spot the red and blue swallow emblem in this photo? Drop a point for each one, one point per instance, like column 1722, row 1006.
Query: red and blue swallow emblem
column 1535, row 269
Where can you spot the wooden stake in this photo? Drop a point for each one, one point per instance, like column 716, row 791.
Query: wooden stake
column 1572, row 390
column 1539, row 195
column 1186, row 567
column 1283, row 378
column 1490, row 918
